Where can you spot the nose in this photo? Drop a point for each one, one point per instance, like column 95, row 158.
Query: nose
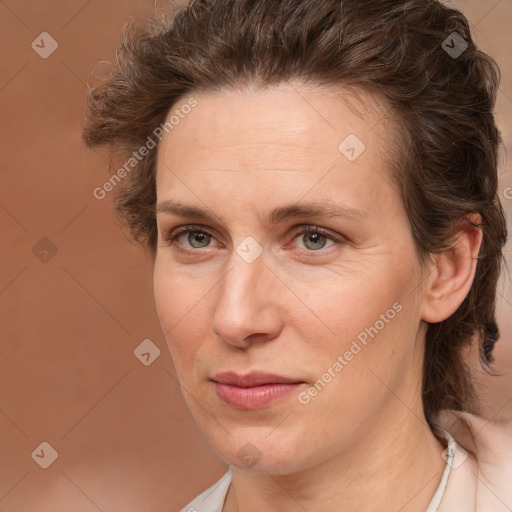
column 248, row 304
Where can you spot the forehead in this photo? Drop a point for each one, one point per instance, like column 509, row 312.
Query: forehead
column 287, row 137
column 282, row 119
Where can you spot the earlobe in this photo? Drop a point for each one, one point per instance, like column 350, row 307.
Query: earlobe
column 453, row 273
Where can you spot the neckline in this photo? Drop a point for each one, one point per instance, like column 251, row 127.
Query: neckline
column 448, row 455
column 435, row 502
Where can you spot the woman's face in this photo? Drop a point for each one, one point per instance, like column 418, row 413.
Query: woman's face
column 336, row 311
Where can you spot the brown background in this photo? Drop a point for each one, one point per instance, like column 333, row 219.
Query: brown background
column 70, row 321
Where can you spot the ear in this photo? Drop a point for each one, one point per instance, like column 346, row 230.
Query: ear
column 454, row 270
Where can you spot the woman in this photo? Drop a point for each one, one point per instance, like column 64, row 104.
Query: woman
column 316, row 182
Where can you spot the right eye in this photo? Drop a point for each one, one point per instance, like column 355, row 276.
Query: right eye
column 197, row 238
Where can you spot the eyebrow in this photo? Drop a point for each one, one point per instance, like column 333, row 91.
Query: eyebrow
column 280, row 214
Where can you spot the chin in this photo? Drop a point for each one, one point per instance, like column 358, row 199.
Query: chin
column 252, row 450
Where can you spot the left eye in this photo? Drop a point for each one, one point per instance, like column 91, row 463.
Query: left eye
column 314, row 239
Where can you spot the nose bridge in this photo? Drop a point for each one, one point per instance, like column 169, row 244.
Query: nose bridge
column 239, row 291
column 244, row 306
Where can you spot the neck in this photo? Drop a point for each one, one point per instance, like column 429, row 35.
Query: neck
column 395, row 465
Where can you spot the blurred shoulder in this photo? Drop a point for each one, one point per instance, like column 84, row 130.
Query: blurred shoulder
column 485, row 452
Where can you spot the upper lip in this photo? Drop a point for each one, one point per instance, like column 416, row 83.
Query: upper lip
column 252, row 379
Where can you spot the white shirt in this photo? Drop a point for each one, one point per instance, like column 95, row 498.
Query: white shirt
column 460, row 476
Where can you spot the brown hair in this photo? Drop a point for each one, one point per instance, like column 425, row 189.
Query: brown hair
column 446, row 167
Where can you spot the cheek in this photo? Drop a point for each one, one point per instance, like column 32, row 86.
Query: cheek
column 343, row 307
column 373, row 339
column 180, row 307
column 370, row 320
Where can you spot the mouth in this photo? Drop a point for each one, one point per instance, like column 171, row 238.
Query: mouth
column 254, row 390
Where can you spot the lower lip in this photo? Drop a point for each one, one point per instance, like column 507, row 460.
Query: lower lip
column 254, row 397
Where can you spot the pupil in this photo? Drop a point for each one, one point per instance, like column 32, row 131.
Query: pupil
column 198, row 237
column 314, row 238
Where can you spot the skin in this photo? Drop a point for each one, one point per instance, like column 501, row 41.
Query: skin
column 362, row 443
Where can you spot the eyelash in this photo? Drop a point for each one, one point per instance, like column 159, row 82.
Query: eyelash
column 301, row 230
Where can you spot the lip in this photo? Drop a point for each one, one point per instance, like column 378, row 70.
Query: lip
column 254, row 390
column 252, row 379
